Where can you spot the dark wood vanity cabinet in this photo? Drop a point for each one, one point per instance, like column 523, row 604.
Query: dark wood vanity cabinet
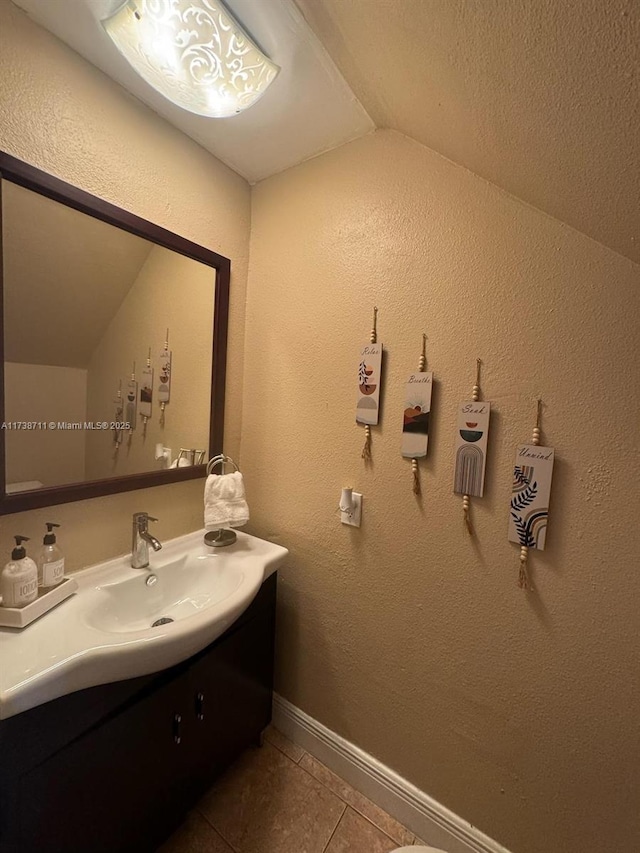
column 113, row 769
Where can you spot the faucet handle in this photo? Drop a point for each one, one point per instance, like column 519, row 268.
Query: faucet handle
column 143, row 517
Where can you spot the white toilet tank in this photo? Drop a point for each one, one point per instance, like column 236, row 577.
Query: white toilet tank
column 419, row 850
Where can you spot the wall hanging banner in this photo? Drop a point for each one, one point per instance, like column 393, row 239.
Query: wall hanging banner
column 369, row 373
column 529, row 508
column 146, row 392
column 131, row 406
column 472, row 431
column 117, row 415
column 146, row 395
column 417, row 406
column 164, row 376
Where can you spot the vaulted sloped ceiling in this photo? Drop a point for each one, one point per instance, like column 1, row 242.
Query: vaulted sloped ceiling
column 541, row 97
column 64, row 272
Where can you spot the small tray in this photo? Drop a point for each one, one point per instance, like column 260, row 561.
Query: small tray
column 20, row 617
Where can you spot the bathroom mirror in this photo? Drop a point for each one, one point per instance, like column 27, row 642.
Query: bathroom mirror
column 93, row 298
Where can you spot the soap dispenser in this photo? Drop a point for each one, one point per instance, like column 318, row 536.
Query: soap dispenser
column 50, row 560
column 19, row 578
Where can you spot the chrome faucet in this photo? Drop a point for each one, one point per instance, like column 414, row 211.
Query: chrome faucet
column 141, row 540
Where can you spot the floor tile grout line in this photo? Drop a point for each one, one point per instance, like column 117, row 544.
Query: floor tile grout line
column 335, row 828
column 346, row 805
column 217, row 831
column 386, row 834
column 354, row 807
column 294, row 760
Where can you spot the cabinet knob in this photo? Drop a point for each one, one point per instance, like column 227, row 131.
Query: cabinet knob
column 200, row 706
column 177, row 728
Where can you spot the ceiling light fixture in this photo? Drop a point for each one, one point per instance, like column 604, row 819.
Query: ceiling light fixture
column 194, row 53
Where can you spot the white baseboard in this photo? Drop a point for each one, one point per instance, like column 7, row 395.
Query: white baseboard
column 419, row 812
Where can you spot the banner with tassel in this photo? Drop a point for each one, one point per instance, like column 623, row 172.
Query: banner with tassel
column 146, row 395
column 164, row 373
column 472, row 432
column 531, row 491
column 417, row 408
column 369, row 379
column 118, row 416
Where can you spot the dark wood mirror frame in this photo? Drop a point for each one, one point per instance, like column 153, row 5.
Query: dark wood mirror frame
column 18, row 172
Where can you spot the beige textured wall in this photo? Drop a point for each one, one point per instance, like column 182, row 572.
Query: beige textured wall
column 62, row 115
column 41, row 392
column 516, row 710
column 170, row 291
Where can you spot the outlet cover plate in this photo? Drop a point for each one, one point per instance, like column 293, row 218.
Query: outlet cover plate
column 354, row 517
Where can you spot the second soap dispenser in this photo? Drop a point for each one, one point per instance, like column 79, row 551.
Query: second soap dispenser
column 50, row 560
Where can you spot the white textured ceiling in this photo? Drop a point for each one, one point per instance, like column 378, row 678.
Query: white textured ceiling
column 541, row 97
column 307, row 110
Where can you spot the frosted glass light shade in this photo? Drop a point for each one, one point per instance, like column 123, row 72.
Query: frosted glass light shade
column 194, row 53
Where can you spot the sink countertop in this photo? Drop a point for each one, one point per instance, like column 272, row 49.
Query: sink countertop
column 93, row 637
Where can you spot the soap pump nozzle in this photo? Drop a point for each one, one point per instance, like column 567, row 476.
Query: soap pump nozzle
column 19, row 552
column 50, row 536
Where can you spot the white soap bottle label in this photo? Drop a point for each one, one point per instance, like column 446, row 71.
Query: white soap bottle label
column 19, row 593
column 52, row 573
column 26, row 589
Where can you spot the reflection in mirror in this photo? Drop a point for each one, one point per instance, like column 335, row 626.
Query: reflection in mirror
column 84, row 301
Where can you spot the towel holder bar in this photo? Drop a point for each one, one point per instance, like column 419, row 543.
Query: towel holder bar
column 220, row 538
column 220, row 459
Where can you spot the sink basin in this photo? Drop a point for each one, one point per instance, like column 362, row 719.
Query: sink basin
column 125, row 622
column 174, row 591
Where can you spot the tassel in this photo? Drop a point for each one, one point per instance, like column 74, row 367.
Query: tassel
column 466, row 506
column 523, row 577
column 416, row 477
column 366, row 450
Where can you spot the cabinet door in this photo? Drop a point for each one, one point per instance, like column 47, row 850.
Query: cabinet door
column 120, row 787
column 231, row 691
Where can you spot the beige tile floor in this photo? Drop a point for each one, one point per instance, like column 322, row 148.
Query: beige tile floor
column 279, row 799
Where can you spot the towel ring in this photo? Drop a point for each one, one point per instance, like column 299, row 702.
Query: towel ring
column 223, row 460
column 220, row 538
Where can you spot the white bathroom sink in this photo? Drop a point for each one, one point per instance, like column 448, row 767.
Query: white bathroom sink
column 176, row 590
column 106, row 631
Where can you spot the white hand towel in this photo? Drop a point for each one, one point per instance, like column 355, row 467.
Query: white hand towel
column 180, row 463
column 224, row 501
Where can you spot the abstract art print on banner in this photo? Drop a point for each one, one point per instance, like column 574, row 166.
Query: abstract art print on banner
column 417, row 406
column 164, row 376
column 472, row 430
column 369, row 372
column 531, row 489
